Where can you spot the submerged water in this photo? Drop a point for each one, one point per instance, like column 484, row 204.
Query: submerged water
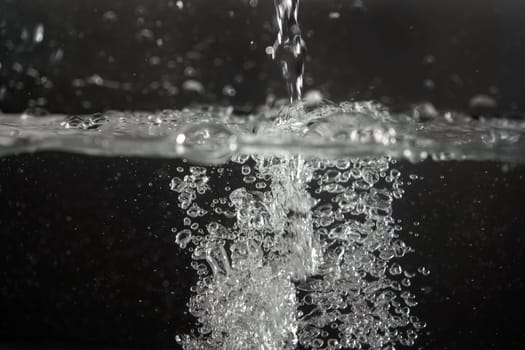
column 307, row 251
column 304, row 253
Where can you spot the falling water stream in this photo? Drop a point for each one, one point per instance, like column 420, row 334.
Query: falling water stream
column 289, row 47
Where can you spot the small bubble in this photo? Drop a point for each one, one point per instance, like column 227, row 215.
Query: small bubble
column 429, row 84
column 423, row 270
column 56, row 56
column 154, row 60
column 183, row 238
column 358, row 4
column 229, row 90
column 246, row 170
column 395, row 269
column 146, row 34
column 429, row 59
column 192, row 85
column 249, row 179
column 95, row 79
column 177, row 184
column 425, row 112
column 110, row 16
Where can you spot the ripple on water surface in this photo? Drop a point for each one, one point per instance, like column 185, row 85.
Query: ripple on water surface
column 315, row 127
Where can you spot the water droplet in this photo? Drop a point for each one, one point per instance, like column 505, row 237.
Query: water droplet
column 38, row 35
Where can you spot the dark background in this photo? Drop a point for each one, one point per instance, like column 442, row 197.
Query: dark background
column 87, row 258
column 136, row 54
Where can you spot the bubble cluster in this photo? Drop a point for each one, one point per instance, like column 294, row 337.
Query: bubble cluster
column 311, row 258
column 192, row 184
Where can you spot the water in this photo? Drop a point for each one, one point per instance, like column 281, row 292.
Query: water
column 289, row 47
column 314, row 127
column 291, row 268
column 306, row 251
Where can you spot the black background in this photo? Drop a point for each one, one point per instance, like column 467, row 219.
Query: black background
column 400, row 52
column 87, row 258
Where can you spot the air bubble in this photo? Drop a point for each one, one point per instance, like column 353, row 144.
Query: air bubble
column 183, row 238
column 177, row 184
column 209, row 142
column 423, row 270
column 246, row 170
column 249, row 179
column 395, row 269
column 229, row 90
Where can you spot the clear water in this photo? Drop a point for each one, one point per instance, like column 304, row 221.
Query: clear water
column 307, row 252
column 314, row 127
column 289, row 47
